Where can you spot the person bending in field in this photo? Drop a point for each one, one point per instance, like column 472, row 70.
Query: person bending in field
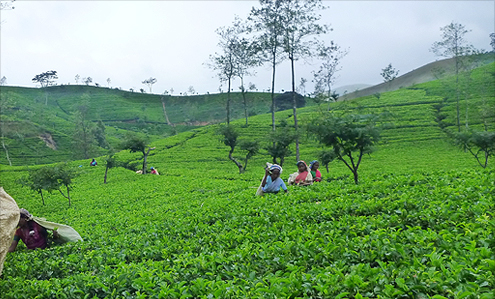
column 93, row 163
column 314, row 165
column 31, row 233
column 154, row 171
column 271, row 181
column 302, row 177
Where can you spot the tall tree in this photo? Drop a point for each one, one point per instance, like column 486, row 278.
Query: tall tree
column 225, row 62
column 99, row 134
column 244, row 92
column 300, row 22
column 454, row 45
column 267, row 24
column 492, row 41
column 83, row 137
column 46, row 79
column 331, row 58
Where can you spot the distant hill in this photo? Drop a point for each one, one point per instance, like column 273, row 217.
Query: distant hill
column 422, row 74
column 350, row 88
column 38, row 124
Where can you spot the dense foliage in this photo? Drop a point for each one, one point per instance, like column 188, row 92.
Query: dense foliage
column 395, row 235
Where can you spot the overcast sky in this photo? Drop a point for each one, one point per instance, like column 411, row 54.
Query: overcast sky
column 130, row 41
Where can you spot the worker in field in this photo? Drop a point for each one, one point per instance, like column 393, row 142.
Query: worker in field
column 93, row 163
column 154, row 171
column 314, row 165
column 272, row 182
column 33, row 231
column 303, row 175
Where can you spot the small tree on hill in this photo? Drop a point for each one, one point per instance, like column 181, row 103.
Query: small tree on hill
column 389, row 73
column 280, row 141
column 325, row 158
column 46, row 79
column 137, row 144
column 350, row 137
column 41, row 179
column 110, row 162
column 64, row 176
column 251, row 147
column 229, row 138
column 87, row 80
column 149, row 82
column 480, row 144
column 51, row 179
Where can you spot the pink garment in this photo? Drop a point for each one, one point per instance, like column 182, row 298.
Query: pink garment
column 318, row 176
column 34, row 236
column 301, row 177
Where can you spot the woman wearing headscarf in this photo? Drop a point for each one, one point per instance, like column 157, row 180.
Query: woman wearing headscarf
column 303, row 175
column 31, row 233
column 272, row 182
column 314, row 165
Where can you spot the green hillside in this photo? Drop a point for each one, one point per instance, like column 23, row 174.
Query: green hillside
column 419, row 224
column 39, row 124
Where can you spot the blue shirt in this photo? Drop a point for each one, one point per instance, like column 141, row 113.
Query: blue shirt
column 274, row 186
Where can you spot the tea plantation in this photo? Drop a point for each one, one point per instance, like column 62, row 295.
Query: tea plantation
column 419, row 225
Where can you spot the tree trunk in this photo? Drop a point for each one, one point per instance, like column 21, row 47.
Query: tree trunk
column 244, row 100
column 228, row 104
column 7, row 151
column 145, row 162
column 273, row 92
column 105, row 178
column 457, row 93
column 239, row 165
column 294, row 103
column 355, row 176
column 145, row 158
column 68, row 195
column 42, row 199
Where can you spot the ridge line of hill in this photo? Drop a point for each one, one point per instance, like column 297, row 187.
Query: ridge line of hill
column 420, row 75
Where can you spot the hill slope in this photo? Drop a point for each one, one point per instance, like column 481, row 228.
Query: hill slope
column 429, row 72
column 39, row 125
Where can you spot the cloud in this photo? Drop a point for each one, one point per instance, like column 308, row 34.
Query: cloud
column 129, row 41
